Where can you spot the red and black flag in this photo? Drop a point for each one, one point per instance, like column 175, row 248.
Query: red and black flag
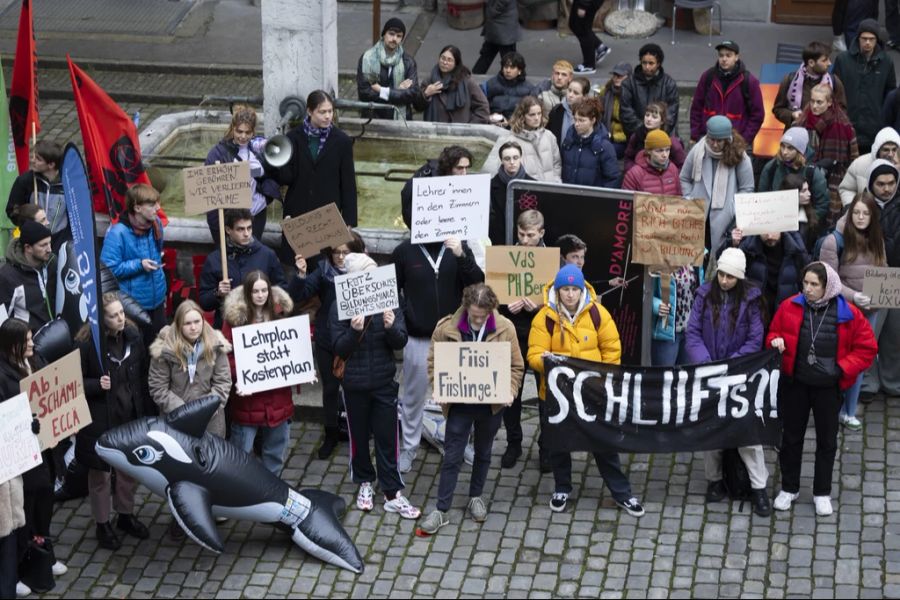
column 23, row 96
column 110, row 145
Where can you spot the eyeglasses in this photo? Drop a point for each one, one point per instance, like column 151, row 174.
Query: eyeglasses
column 510, row 158
column 341, row 253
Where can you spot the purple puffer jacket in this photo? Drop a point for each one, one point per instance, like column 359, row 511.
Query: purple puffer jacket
column 710, row 99
column 706, row 342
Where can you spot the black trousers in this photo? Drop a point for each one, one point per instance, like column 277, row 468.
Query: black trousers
column 583, row 28
column 488, row 52
column 331, row 401
column 825, row 403
column 512, row 415
column 461, row 420
column 373, row 413
column 9, row 565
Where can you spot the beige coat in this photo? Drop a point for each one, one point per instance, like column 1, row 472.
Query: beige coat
column 12, row 502
column 540, row 155
column 170, row 386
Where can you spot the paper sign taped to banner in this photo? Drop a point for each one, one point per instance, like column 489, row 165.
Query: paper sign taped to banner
column 366, row 293
column 19, row 447
column 472, row 372
column 225, row 185
column 882, row 285
column 767, row 212
column 516, row 272
column 669, row 230
column 321, row 228
column 56, row 396
column 273, row 355
column 455, row 206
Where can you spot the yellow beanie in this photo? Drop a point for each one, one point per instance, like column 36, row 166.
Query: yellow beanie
column 657, row 139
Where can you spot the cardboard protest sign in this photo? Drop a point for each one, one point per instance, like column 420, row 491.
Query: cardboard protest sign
column 18, row 446
column 225, row 185
column 516, row 272
column 56, row 396
column 321, row 228
column 366, row 293
column 882, row 285
column 455, row 206
column 273, row 355
column 767, row 212
column 669, row 230
column 472, row 372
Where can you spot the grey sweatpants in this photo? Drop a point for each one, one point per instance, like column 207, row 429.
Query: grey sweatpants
column 414, row 391
column 884, row 374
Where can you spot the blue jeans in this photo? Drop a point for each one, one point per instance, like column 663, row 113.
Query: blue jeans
column 851, row 396
column 274, row 442
column 665, row 353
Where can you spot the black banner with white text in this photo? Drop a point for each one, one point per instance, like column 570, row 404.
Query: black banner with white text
column 598, row 407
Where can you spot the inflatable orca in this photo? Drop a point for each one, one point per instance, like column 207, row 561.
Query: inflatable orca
column 205, row 477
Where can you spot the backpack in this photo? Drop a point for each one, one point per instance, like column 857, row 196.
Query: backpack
column 735, row 475
column 593, row 311
column 838, row 243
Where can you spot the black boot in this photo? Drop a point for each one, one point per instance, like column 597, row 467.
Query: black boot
column 130, row 525
column 761, row 505
column 107, row 537
column 715, row 491
column 175, row 531
column 511, row 456
column 329, row 443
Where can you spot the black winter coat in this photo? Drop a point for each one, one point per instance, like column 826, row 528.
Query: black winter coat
column 400, row 98
column 890, row 225
column 38, row 285
column 428, row 297
column 504, row 95
column 790, row 274
column 104, row 415
column 497, row 215
column 370, row 365
column 638, row 92
column 555, row 124
column 316, row 283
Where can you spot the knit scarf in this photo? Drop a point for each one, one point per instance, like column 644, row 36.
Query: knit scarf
column 833, row 288
column 506, row 177
column 795, row 91
column 377, row 57
column 331, row 271
column 832, row 133
column 233, row 250
column 452, row 96
column 720, row 177
column 141, row 228
column 317, row 132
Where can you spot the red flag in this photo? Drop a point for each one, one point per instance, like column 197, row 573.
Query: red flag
column 23, row 95
column 110, row 145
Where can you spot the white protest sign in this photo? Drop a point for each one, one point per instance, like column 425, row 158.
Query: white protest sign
column 273, row 355
column 18, row 446
column 366, row 293
column 767, row 212
column 455, row 206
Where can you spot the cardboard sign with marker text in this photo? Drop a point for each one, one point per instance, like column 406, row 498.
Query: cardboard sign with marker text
column 321, row 228
column 56, row 396
column 472, row 372
column 668, row 230
column 225, row 185
column 882, row 285
column 516, row 272
column 455, row 206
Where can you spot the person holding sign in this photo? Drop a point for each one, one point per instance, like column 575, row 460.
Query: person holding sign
column 367, row 345
column 825, row 343
column 132, row 250
column 476, row 320
column 856, row 244
column 572, row 322
column 116, row 393
column 269, row 413
column 726, row 322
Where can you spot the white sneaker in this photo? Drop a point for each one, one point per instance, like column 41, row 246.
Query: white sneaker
column 22, row 590
column 365, row 499
column 59, row 569
column 823, row 505
column 784, row 500
column 401, row 506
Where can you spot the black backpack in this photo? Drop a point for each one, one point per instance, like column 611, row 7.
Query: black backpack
column 735, row 475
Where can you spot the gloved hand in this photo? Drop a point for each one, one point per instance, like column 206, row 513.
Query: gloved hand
column 861, row 300
column 35, row 425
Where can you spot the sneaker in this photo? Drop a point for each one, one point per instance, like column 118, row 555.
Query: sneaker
column 558, row 501
column 583, row 70
column 784, row 500
column 365, row 499
column 868, row 397
column 631, row 506
column 823, row 505
column 59, row 569
column 404, row 462
column 715, row 491
column 852, row 423
column 511, row 456
column 602, row 52
column 761, row 504
column 22, row 590
column 478, row 510
column 402, row 507
column 433, row 522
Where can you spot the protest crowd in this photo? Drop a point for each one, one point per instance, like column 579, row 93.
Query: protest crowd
column 797, row 293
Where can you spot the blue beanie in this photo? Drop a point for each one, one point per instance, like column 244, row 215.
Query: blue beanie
column 718, row 128
column 569, row 275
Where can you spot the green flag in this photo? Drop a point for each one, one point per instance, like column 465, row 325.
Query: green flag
column 8, row 169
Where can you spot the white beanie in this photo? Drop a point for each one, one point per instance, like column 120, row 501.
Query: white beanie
column 732, row 262
column 797, row 138
column 357, row 261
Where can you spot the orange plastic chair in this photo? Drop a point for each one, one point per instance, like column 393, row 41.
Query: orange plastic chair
column 767, row 140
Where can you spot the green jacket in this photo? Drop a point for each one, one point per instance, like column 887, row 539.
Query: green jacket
column 866, row 83
column 774, row 172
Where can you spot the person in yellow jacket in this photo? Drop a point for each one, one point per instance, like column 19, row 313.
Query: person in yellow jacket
column 477, row 320
column 573, row 323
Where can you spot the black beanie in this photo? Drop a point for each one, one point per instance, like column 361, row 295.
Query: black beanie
column 32, row 232
column 395, row 24
column 869, row 26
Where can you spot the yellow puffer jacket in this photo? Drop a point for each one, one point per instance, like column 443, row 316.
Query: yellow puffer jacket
column 579, row 339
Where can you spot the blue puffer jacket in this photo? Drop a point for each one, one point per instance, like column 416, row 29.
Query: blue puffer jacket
column 504, row 95
column 590, row 160
column 123, row 250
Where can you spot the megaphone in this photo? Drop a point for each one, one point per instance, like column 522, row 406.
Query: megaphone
column 278, row 150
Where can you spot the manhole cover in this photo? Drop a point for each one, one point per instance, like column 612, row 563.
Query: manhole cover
column 135, row 17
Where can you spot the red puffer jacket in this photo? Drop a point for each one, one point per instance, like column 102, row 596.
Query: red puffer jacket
column 857, row 346
column 644, row 178
column 269, row 408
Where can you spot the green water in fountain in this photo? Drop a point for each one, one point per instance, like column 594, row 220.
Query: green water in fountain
column 382, row 166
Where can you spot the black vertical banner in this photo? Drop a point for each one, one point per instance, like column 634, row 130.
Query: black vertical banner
column 603, row 218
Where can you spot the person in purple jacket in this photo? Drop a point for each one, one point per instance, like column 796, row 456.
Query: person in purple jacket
column 726, row 322
column 728, row 89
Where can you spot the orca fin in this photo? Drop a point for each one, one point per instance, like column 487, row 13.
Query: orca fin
column 190, row 504
column 322, row 535
column 193, row 417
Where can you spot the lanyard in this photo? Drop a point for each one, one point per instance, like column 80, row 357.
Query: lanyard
column 480, row 335
column 434, row 265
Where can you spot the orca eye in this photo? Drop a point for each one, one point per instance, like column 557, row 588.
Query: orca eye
column 148, row 454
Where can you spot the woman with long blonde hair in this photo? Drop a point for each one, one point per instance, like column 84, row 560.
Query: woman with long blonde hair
column 540, row 148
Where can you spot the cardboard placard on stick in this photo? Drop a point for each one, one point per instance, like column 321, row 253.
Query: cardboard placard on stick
column 321, row 228
column 18, row 446
column 273, row 355
column 453, row 206
column 668, row 230
column 56, row 396
column 767, row 212
column 472, row 372
column 366, row 293
column 516, row 272
column 222, row 185
column 882, row 285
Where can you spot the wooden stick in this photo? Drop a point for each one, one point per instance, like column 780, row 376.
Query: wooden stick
column 222, row 244
column 33, row 174
column 625, row 274
column 665, row 283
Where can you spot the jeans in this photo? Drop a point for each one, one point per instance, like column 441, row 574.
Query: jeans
column 512, row 415
column 488, row 52
column 666, row 353
column 583, row 28
column 851, row 396
column 373, row 413
column 274, row 442
column 825, row 402
column 610, row 469
column 461, row 418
